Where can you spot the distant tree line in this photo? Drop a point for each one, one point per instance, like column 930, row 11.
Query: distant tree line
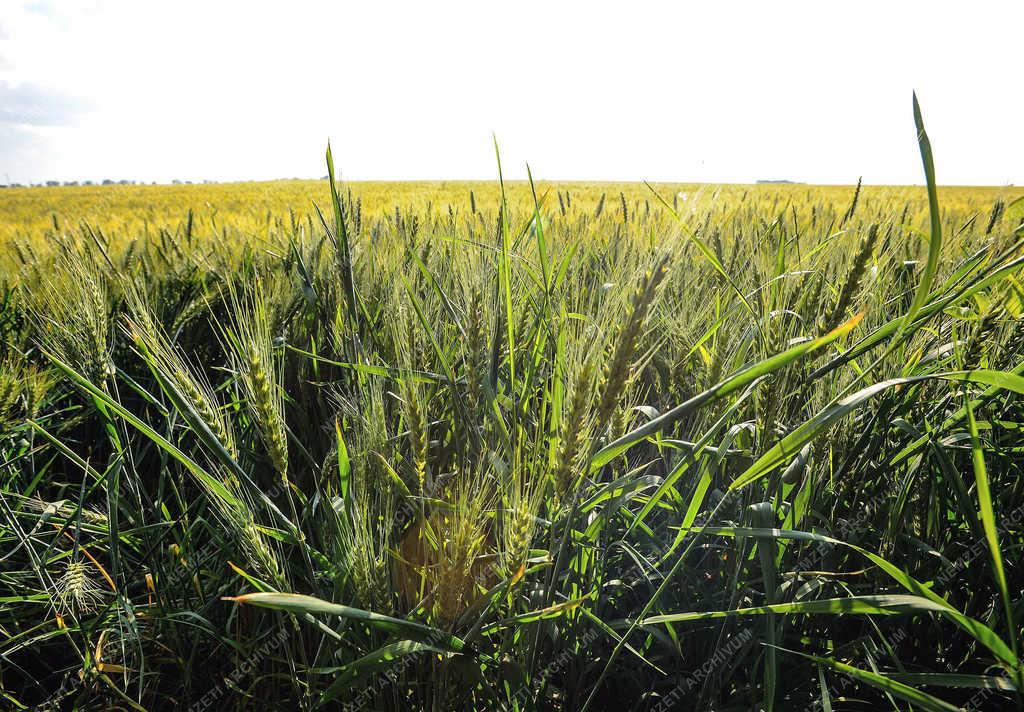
column 105, row 181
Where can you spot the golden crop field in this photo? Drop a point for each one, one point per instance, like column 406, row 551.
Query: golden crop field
column 251, row 212
column 574, row 446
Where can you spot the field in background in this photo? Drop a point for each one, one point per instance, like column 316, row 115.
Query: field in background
column 734, row 448
column 245, row 212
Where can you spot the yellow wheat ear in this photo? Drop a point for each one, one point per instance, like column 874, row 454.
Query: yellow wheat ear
column 76, row 590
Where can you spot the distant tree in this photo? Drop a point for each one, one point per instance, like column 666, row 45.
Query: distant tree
column 52, row 183
column 107, row 181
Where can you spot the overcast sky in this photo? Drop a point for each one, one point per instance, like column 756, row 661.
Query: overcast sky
column 691, row 91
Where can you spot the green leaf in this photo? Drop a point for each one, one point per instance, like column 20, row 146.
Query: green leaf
column 935, row 241
column 922, row 700
column 988, row 522
column 883, row 604
column 939, row 679
column 299, row 603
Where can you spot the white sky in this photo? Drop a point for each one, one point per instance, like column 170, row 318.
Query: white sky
column 691, row 91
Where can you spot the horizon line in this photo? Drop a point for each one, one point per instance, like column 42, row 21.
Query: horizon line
column 128, row 182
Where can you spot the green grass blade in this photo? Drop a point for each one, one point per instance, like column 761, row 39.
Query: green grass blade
column 921, row 700
column 988, row 522
column 884, row 605
column 302, row 604
column 935, row 240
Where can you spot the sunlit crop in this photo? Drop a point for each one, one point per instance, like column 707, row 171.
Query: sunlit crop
column 304, row 445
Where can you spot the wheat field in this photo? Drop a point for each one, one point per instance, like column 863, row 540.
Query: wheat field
column 552, row 446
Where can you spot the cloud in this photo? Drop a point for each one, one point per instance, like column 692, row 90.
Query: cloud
column 29, row 104
column 43, row 7
column 21, row 148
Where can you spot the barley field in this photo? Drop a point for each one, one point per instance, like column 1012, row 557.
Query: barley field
column 450, row 446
